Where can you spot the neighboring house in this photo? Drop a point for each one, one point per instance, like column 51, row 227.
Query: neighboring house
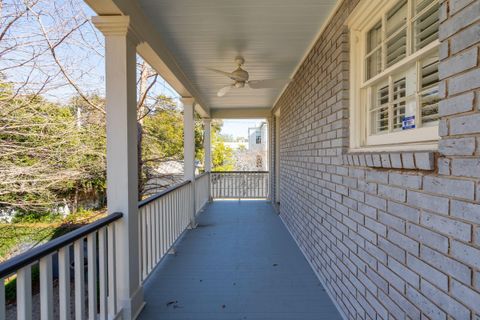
column 257, row 146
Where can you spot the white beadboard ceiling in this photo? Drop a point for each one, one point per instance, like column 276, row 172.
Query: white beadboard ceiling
column 272, row 35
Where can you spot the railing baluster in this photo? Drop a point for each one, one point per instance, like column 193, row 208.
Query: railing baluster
column 92, row 275
column 46, row 288
column 64, row 282
column 144, row 244
column 102, row 273
column 24, row 293
column 156, row 231
column 79, row 279
column 112, row 272
column 2, row 299
column 149, row 237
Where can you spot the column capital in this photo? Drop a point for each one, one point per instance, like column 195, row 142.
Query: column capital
column 116, row 26
column 187, row 101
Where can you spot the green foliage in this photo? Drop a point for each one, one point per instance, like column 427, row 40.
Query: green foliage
column 222, row 155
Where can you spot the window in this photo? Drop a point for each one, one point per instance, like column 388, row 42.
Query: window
column 394, row 74
column 258, row 137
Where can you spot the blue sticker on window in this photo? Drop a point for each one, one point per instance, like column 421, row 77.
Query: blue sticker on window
column 408, row 123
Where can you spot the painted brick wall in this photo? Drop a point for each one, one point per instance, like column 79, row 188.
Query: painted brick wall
column 387, row 243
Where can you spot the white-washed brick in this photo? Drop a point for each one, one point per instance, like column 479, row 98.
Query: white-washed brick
column 411, row 181
column 404, row 211
column 466, row 167
column 464, row 82
column 427, row 202
column 377, row 176
column 428, row 237
column 391, row 249
column 465, row 253
column 443, row 166
column 458, row 104
column 427, row 272
column 466, row 210
column 379, row 308
column 427, row 307
column 407, row 160
column 376, row 202
column 394, row 193
column 456, row 188
column 391, row 221
column 448, row 226
column 403, row 272
column 396, row 160
column 459, row 21
column 424, row 160
column 453, row 307
column 391, row 306
column 468, row 296
column 457, row 5
column 406, row 305
column 404, row 242
column 446, row 264
column 465, row 38
column 457, row 147
column 459, row 63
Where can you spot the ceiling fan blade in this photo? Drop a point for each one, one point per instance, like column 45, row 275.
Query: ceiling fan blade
column 268, row 83
column 224, row 91
column 227, row 74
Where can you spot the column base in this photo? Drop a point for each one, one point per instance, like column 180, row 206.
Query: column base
column 132, row 308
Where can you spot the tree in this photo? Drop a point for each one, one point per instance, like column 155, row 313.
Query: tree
column 45, row 156
column 222, row 155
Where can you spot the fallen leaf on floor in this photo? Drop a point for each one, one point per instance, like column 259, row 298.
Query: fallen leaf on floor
column 171, row 302
column 223, row 306
column 274, row 264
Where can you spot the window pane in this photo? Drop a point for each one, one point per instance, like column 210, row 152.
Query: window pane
column 379, row 114
column 396, row 33
column 374, row 37
column 426, row 24
column 399, row 93
column 397, row 18
column 374, row 51
column 429, row 96
column 374, row 63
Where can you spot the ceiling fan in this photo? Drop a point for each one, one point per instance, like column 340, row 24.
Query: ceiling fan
column 240, row 76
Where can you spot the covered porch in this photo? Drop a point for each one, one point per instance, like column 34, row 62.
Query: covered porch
column 239, row 263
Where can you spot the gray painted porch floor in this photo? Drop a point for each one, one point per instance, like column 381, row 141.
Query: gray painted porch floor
column 239, row 263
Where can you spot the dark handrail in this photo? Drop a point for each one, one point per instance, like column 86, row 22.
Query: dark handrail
column 162, row 193
column 239, row 171
column 10, row 266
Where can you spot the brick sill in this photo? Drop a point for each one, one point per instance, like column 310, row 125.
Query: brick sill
column 411, row 160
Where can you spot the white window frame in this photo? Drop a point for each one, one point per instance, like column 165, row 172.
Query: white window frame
column 363, row 18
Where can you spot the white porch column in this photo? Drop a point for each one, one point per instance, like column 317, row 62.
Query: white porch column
column 122, row 176
column 207, row 145
column 269, row 166
column 189, row 149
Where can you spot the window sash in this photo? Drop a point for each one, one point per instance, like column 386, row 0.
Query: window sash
column 408, row 31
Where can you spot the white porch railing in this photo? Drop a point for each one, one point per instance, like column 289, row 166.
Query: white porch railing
column 93, row 248
column 165, row 216
column 202, row 191
column 162, row 219
column 90, row 250
column 239, row 184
